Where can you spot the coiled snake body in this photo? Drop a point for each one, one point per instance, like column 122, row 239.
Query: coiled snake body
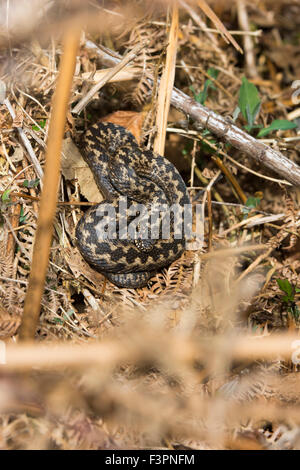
column 125, row 172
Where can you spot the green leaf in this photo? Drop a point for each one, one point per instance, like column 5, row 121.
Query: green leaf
column 255, row 126
column 196, row 96
column 31, row 183
column 22, row 218
column 58, row 321
column 187, row 148
column 205, row 147
column 287, row 288
column 251, row 203
column 42, row 124
column 204, row 93
column 68, row 314
column 208, row 147
column 277, row 125
column 201, row 97
column 213, row 73
column 295, row 312
column 249, row 101
column 5, row 196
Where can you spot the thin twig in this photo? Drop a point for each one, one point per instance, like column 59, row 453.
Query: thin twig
column 225, row 130
column 248, row 41
column 221, row 152
column 231, row 178
column 25, row 283
column 256, row 33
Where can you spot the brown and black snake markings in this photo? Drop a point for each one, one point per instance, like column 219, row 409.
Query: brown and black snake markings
column 124, row 170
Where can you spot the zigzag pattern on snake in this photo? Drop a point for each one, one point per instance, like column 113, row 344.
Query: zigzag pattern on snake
column 124, row 170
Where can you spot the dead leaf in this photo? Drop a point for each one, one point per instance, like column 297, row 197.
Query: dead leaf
column 18, row 154
column 130, row 119
column 18, row 120
column 74, row 167
column 209, row 174
column 80, row 268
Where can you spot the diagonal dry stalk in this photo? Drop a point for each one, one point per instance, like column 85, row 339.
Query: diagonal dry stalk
column 218, row 23
column 49, row 194
column 166, row 85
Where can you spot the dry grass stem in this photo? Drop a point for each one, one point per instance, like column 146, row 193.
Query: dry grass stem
column 166, row 85
column 47, row 209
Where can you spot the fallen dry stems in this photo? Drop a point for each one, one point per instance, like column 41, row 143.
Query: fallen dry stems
column 47, row 210
column 61, row 203
column 25, row 141
column 221, row 127
column 107, row 77
column 201, row 24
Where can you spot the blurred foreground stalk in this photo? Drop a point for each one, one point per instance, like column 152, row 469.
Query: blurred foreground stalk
column 48, row 202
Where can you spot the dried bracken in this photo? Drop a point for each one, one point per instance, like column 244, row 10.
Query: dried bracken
column 195, row 360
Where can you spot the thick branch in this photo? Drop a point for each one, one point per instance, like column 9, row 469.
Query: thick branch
column 221, row 127
column 225, row 130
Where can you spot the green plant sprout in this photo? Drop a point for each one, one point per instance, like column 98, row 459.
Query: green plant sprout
column 289, row 297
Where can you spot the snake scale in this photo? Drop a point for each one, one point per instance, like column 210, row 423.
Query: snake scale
column 125, row 172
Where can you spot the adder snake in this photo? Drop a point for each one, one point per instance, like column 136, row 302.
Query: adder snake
column 123, row 170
